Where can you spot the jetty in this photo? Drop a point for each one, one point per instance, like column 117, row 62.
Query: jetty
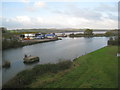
column 34, row 41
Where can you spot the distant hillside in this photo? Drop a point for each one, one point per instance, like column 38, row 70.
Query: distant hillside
column 54, row 30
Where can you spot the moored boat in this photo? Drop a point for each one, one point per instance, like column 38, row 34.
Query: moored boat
column 30, row 59
column 6, row 64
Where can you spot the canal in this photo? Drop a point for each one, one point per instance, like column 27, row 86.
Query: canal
column 50, row 52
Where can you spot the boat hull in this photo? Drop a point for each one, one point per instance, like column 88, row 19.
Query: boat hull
column 31, row 59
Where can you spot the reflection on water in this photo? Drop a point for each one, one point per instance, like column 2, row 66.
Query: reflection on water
column 95, row 32
column 50, row 52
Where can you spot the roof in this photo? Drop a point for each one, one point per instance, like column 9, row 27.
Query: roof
column 40, row 36
column 49, row 35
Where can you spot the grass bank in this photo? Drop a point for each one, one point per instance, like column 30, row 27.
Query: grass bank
column 94, row 70
column 26, row 77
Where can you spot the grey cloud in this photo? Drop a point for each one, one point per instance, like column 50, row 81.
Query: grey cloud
column 110, row 10
column 96, row 13
column 10, row 23
column 80, row 13
column 112, row 16
column 107, row 8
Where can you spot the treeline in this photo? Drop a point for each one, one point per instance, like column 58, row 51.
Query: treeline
column 114, row 41
column 11, row 44
column 89, row 33
column 9, row 40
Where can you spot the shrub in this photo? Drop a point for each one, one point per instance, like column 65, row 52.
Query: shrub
column 88, row 32
column 27, row 76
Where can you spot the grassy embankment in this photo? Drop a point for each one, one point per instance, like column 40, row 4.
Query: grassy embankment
column 94, row 70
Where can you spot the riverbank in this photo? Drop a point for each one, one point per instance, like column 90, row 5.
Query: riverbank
column 26, row 77
column 94, row 35
column 16, row 44
column 29, row 42
column 94, row 70
column 89, row 33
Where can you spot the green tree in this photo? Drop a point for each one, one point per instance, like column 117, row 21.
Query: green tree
column 111, row 39
column 3, row 29
column 108, row 33
column 88, row 32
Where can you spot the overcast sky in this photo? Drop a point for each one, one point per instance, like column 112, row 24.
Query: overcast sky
column 39, row 14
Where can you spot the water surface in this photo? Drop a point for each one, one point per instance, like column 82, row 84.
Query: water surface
column 50, row 52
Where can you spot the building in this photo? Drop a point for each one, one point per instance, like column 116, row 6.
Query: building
column 39, row 36
column 27, row 36
column 50, row 36
column 61, row 35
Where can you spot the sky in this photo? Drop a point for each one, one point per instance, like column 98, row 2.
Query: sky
column 59, row 14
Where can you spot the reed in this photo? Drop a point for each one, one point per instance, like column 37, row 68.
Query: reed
column 26, row 77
